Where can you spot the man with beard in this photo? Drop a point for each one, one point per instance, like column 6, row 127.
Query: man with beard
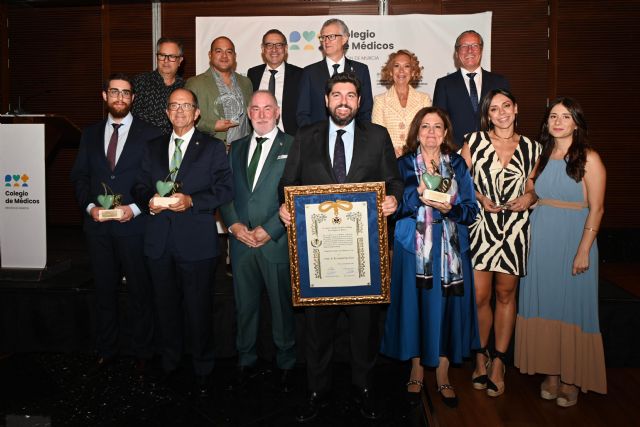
column 334, row 151
column 109, row 159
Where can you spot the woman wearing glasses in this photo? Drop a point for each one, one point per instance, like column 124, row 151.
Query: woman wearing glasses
column 557, row 331
column 502, row 164
column 432, row 317
column 396, row 108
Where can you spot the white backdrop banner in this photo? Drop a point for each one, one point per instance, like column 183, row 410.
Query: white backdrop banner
column 23, row 221
column 372, row 39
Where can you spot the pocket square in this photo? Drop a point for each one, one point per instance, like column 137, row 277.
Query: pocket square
column 282, row 156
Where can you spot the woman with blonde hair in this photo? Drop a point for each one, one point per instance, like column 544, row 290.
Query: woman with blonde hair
column 396, row 108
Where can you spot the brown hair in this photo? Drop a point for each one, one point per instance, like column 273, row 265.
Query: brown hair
column 412, row 142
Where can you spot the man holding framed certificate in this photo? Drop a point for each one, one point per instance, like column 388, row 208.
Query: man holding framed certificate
column 336, row 151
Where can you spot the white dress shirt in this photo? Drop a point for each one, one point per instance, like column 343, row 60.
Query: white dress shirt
column 266, row 147
column 264, row 85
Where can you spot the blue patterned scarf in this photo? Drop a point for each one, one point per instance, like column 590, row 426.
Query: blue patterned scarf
column 450, row 262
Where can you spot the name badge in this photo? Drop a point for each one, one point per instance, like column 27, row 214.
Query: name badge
column 282, row 156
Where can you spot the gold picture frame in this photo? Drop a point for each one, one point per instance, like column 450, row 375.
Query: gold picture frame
column 338, row 244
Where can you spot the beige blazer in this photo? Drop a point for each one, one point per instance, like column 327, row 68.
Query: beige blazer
column 388, row 112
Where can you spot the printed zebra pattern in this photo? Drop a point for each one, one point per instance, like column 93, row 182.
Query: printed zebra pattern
column 500, row 241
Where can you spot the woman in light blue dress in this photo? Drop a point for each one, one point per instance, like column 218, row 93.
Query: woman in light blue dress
column 557, row 328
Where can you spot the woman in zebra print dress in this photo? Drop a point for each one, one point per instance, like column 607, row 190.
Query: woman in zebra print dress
column 502, row 164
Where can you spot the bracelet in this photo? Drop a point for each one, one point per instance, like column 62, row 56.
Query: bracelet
column 595, row 230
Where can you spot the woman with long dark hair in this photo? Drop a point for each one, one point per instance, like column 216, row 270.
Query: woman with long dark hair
column 502, row 164
column 557, row 329
column 432, row 317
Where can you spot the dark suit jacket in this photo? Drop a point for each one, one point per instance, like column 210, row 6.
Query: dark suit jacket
column 373, row 159
column 289, row 93
column 260, row 206
column 311, row 103
column 451, row 94
column 91, row 169
column 206, row 177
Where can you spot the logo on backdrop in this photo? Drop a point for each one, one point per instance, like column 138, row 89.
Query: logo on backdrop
column 16, row 180
column 302, row 41
column 360, row 40
column 16, row 192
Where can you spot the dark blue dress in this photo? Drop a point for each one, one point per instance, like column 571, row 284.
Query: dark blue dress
column 421, row 322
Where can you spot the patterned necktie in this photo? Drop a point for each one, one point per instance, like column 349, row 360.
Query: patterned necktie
column 473, row 92
column 339, row 160
column 335, row 69
column 272, row 82
column 255, row 159
column 176, row 159
column 113, row 145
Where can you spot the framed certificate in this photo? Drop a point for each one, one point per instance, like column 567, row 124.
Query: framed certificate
column 338, row 246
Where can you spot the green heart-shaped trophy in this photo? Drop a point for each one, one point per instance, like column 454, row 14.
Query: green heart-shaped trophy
column 166, row 189
column 109, row 200
column 437, row 186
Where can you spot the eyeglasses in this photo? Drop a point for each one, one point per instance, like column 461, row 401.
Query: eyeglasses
column 165, row 57
column 272, row 46
column 473, row 46
column 330, row 37
column 175, row 106
column 115, row 93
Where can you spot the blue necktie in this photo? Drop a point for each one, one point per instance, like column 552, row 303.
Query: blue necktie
column 473, row 92
column 339, row 160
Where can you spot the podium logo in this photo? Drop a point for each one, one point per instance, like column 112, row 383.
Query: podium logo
column 16, row 180
column 302, row 40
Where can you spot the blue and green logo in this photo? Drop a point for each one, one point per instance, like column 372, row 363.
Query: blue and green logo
column 16, row 180
column 302, row 41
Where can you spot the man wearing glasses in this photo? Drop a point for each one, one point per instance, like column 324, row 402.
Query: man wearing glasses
column 334, row 42
column 181, row 240
column 109, row 159
column 278, row 77
column 153, row 88
column 460, row 93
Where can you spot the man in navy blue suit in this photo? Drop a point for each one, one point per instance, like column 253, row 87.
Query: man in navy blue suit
column 109, row 158
column 459, row 93
column 181, row 239
column 334, row 42
column 279, row 77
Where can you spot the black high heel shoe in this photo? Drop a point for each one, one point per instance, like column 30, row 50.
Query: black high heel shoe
column 451, row 402
column 497, row 389
column 480, row 382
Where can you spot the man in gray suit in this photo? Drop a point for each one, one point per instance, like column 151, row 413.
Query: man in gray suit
column 259, row 240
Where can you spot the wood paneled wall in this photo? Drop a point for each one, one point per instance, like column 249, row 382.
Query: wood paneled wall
column 60, row 54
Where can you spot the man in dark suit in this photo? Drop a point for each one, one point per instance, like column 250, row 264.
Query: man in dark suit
column 334, row 42
column 181, row 239
column 278, row 76
column 459, row 93
column 259, row 242
column 341, row 150
column 109, row 158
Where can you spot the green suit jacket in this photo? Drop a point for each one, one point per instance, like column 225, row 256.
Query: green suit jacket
column 205, row 88
column 260, row 206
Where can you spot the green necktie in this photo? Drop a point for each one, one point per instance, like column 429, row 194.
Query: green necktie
column 176, row 159
column 253, row 164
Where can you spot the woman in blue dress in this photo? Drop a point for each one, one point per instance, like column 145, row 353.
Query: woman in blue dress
column 557, row 328
column 432, row 317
